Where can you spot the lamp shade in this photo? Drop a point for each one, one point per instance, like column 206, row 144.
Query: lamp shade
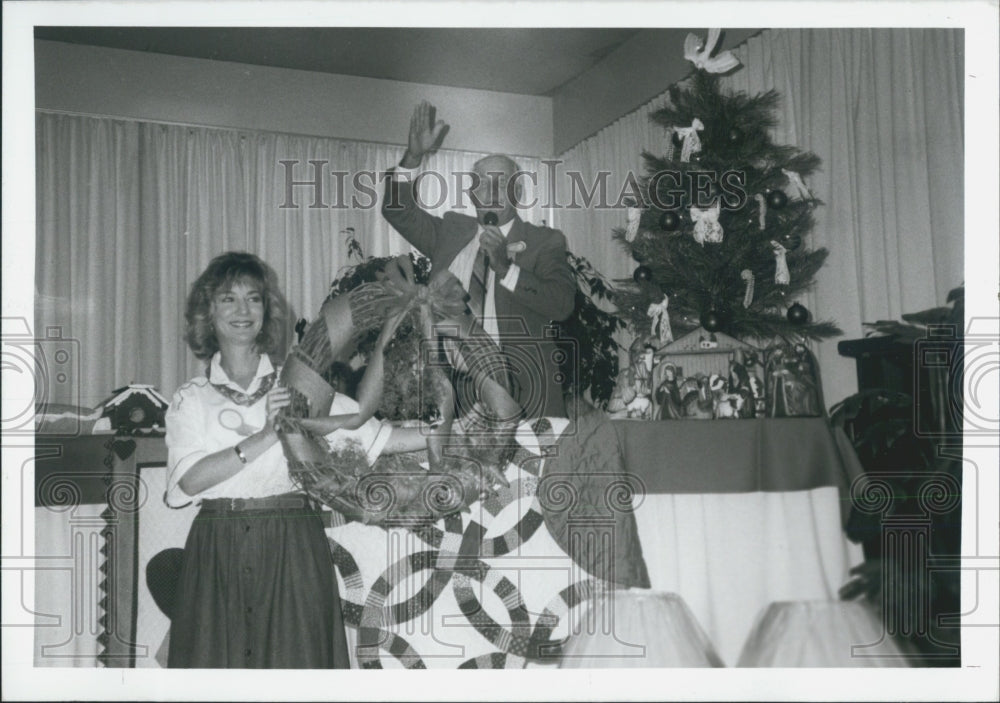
column 821, row 634
column 638, row 629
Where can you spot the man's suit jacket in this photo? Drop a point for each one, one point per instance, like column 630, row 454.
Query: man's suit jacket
column 545, row 290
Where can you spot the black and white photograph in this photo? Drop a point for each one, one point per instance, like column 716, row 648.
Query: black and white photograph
column 500, row 336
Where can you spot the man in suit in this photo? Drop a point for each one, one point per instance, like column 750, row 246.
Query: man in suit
column 516, row 273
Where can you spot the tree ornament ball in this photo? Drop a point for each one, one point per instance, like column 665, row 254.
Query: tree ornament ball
column 797, row 314
column 669, row 221
column 777, row 199
column 711, row 320
column 735, row 135
column 791, row 242
column 637, row 253
column 677, row 139
column 642, row 274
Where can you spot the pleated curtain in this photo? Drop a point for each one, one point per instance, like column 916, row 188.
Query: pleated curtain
column 129, row 213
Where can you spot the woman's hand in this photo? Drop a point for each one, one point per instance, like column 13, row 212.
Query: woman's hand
column 277, row 398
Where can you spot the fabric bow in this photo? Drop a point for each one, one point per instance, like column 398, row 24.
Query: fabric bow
column 781, row 275
column 798, row 185
column 692, row 142
column 706, row 224
column 634, row 215
column 660, row 320
column 703, row 59
column 443, row 298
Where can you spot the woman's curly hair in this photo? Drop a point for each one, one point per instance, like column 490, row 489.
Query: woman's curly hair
column 223, row 271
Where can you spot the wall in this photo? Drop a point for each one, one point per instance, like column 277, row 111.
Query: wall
column 140, row 85
column 640, row 69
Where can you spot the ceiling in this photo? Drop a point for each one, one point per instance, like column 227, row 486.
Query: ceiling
column 487, row 59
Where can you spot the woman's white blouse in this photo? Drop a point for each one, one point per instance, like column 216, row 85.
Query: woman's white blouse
column 201, row 421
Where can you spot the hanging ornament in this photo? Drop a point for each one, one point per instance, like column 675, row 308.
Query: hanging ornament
column 637, row 252
column 777, row 199
column 747, row 276
column 791, row 242
column 762, row 216
column 634, row 214
column 642, row 273
column 711, row 320
column 673, row 141
column 706, row 224
column 660, row 321
column 692, row 142
column 781, row 275
column 797, row 314
column 798, row 185
column 701, row 54
column 669, row 221
column 735, row 135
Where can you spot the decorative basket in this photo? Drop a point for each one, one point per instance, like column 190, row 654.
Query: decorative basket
column 396, row 487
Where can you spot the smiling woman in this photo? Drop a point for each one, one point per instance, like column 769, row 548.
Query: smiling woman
column 256, row 587
column 238, row 313
column 237, row 294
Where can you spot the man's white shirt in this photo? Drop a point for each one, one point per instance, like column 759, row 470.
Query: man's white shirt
column 463, row 263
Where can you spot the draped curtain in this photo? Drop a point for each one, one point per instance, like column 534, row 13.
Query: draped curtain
column 883, row 109
column 130, row 213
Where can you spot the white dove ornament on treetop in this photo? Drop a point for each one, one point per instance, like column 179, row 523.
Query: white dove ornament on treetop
column 701, row 56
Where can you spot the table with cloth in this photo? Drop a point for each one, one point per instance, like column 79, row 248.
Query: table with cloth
column 736, row 514
column 731, row 515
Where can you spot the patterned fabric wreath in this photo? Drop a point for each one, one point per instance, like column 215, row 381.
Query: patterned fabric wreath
column 462, row 466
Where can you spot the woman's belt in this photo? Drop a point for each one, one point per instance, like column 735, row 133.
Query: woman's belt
column 238, row 505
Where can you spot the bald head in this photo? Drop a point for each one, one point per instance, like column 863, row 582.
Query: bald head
column 496, row 163
column 497, row 188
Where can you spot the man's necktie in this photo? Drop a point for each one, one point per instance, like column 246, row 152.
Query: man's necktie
column 477, row 285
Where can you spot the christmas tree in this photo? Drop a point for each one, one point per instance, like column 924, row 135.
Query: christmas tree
column 719, row 222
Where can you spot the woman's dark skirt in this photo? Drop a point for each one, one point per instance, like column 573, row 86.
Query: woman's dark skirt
column 257, row 590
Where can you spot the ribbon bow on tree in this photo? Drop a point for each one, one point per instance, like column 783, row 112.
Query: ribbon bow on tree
column 706, row 224
column 692, row 142
column 702, row 58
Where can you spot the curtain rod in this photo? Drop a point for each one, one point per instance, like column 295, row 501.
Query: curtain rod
column 247, row 130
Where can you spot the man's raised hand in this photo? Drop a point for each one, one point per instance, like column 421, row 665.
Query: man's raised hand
column 426, row 134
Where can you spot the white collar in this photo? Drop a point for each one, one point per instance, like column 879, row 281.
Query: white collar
column 504, row 228
column 218, row 375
